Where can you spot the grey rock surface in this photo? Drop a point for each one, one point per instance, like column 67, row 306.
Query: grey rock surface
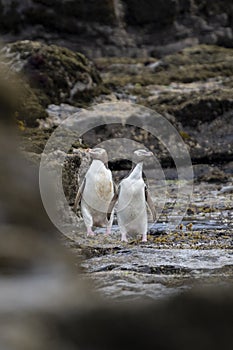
column 118, row 27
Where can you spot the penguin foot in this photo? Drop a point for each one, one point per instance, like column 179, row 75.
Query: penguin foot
column 90, row 233
column 144, row 239
column 124, row 240
column 108, row 231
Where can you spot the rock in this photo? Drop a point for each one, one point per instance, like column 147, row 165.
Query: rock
column 57, row 114
column 226, row 189
column 228, row 168
column 17, row 100
column 55, row 75
column 25, row 13
column 204, row 172
column 209, row 39
column 225, row 37
column 194, row 86
column 156, row 12
column 118, row 27
column 185, row 6
column 222, row 19
column 204, row 109
column 75, row 168
column 209, row 9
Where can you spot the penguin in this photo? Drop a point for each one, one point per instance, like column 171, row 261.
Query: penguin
column 96, row 192
column 133, row 196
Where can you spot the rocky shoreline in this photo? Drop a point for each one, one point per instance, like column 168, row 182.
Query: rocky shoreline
column 192, row 89
column 59, row 59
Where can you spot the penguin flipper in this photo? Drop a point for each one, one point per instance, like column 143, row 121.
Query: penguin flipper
column 79, row 195
column 150, row 203
column 112, row 203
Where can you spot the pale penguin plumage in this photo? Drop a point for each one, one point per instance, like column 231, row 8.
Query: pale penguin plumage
column 133, row 197
column 96, row 193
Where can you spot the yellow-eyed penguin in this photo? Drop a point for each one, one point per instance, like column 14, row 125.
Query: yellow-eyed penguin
column 96, row 192
column 133, row 196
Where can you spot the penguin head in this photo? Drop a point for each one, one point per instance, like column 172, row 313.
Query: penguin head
column 99, row 153
column 140, row 154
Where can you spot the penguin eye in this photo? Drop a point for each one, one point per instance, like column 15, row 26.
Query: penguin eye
column 141, row 152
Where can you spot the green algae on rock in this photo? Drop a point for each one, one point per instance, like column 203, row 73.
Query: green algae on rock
column 192, row 88
column 192, row 64
column 18, row 102
column 54, row 74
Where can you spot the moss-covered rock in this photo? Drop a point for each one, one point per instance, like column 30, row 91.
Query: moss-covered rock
column 74, row 170
column 52, row 74
column 18, row 102
column 194, row 86
column 197, row 84
column 195, row 63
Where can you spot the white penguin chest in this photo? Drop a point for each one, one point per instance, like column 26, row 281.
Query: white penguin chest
column 99, row 184
column 132, row 195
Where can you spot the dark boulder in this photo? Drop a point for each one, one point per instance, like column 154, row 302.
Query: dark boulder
column 53, row 74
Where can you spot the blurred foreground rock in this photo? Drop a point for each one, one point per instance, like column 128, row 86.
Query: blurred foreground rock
column 37, row 275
